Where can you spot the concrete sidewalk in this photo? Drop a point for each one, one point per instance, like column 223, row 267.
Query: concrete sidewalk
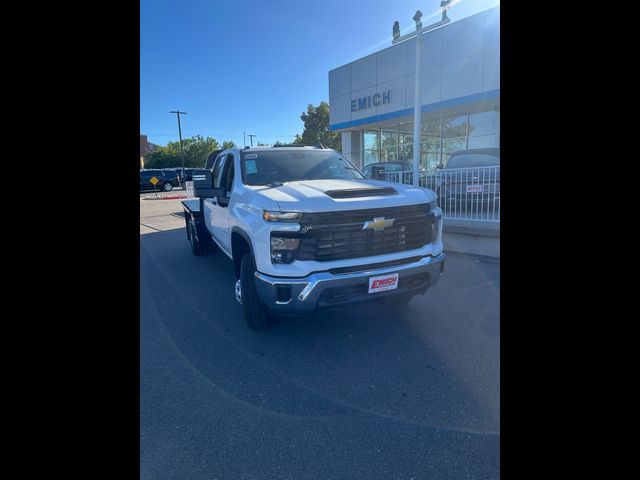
column 472, row 236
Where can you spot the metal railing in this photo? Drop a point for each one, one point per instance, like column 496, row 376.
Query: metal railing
column 462, row 193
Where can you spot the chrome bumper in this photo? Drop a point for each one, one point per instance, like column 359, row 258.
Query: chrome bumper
column 307, row 292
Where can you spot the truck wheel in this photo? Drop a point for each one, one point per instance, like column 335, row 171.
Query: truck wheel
column 255, row 313
column 197, row 248
column 167, row 187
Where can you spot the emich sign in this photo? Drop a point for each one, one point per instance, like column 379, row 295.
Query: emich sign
column 369, row 101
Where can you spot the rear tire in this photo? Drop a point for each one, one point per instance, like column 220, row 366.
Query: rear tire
column 167, row 187
column 255, row 313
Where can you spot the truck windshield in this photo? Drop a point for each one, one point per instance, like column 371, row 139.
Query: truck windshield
column 471, row 160
column 280, row 166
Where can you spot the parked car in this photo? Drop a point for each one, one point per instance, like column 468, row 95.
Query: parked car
column 306, row 230
column 379, row 171
column 167, row 179
column 470, row 176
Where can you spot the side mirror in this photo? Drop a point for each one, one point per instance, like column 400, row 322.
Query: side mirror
column 377, row 172
column 440, row 166
column 203, row 184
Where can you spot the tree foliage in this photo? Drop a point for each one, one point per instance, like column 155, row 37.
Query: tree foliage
column 227, row 144
column 316, row 128
column 196, row 151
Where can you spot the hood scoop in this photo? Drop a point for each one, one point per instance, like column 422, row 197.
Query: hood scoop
column 361, row 192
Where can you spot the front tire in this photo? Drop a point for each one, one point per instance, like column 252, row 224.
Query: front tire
column 255, row 313
column 167, row 187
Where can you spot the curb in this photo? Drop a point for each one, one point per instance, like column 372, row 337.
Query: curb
column 168, row 197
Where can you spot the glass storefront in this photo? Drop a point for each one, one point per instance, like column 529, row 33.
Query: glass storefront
column 441, row 134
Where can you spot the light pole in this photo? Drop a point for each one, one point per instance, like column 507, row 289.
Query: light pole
column 417, row 113
column 178, row 113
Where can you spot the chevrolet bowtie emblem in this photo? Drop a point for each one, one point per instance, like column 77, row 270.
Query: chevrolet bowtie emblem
column 378, row 223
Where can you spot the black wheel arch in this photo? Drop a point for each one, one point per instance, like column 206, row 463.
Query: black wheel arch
column 240, row 244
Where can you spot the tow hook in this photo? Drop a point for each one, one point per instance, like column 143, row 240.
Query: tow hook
column 238, row 291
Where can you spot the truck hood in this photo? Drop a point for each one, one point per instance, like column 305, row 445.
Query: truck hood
column 311, row 195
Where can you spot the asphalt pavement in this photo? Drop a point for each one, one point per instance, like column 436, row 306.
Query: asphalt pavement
column 362, row 393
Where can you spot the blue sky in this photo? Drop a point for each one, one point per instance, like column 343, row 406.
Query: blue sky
column 253, row 66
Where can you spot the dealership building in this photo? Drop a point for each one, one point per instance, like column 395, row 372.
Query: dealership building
column 372, row 99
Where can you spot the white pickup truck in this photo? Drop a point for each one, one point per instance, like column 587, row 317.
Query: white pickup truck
column 305, row 230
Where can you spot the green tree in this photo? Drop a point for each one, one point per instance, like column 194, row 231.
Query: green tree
column 196, row 151
column 316, row 128
column 161, row 158
column 227, row 144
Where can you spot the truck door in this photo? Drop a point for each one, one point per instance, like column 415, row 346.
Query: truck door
column 216, row 212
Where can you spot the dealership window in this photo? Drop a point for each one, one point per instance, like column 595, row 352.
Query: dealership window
column 389, row 146
column 483, row 141
column 429, row 151
column 483, row 129
column 405, row 142
column 455, row 125
column 371, row 146
column 442, row 133
column 431, row 124
column 483, row 123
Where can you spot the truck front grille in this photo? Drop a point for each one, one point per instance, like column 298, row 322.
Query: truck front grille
column 340, row 235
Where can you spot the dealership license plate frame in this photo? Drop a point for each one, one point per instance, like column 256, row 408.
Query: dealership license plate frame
column 384, row 288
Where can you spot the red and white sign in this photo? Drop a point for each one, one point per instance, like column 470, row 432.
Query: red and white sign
column 474, row 188
column 383, row 283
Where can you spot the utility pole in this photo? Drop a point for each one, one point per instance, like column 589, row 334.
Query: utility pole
column 244, row 139
column 251, row 136
column 178, row 113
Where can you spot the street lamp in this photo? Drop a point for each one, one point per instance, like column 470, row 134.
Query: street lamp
column 416, row 18
column 396, row 30
column 417, row 113
column 445, row 5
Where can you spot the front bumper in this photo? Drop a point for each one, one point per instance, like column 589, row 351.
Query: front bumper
column 324, row 289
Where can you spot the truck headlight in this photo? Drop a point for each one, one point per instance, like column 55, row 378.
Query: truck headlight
column 283, row 249
column 281, row 216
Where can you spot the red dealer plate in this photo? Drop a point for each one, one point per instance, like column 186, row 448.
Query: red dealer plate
column 383, row 283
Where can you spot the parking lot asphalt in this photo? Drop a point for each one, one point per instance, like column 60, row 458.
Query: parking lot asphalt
column 364, row 392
